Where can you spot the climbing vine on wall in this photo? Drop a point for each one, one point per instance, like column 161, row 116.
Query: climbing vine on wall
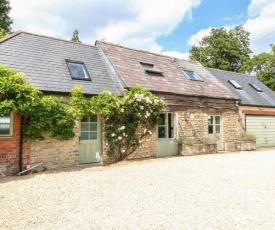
column 128, row 119
column 40, row 115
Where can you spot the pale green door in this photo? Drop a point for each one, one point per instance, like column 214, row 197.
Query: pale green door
column 215, row 129
column 89, row 151
column 166, row 139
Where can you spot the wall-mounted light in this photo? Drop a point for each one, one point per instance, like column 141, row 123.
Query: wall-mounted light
column 240, row 117
column 237, row 103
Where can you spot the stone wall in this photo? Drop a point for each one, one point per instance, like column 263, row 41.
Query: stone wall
column 147, row 148
column 195, row 126
column 193, row 113
column 10, row 148
column 54, row 153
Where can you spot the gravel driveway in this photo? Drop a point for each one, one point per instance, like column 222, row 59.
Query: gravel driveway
column 223, row 191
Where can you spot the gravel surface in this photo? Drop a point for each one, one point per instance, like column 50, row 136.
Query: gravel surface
column 223, row 191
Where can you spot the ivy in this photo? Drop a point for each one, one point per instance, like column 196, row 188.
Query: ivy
column 41, row 115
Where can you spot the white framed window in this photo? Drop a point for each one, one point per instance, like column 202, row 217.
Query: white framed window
column 6, row 125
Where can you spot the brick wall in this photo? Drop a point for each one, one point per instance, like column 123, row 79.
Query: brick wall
column 10, row 148
column 54, row 153
column 251, row 110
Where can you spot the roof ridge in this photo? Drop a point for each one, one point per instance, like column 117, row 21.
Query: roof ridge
column 143, row 51
column 248, row 75
column 39, row 35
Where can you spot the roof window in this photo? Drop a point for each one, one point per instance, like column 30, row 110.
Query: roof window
column 149, row 67
column 235, row 84
column 255, row 87
column 78, row 70
column 191, row 75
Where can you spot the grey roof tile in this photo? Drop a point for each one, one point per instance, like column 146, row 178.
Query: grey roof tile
column 248, row 95
column 42, row 59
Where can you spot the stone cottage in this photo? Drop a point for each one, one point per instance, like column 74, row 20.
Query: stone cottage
column 198, row 104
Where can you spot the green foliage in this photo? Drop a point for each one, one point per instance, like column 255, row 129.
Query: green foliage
column 5, row 20
column 79, row 106
column 75, row 37
column 128, row 119
column 2, row 33
column 49, row 117
column 15, row 93
column 263, row 65
column 248, row 137
column 40, row 114
column 223, row 49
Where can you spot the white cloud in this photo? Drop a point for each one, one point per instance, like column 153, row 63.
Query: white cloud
column 133, row 23
column 196, row 38
column 261, row 25
column 177, row 54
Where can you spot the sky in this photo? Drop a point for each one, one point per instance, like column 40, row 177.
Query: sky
column 169, row 27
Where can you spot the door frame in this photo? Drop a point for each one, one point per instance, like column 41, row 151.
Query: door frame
column 98, row 141
column 220, row 141
column 167, row 141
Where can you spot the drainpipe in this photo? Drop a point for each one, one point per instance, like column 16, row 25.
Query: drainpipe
column 21, row 145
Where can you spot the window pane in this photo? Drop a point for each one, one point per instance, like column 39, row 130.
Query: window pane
column 210, row 129
column 217, row 120
column 191, row 75
column 218, row 129
column 162, row 119
column 4, row 129
column 85, row 119
column 210, row 120
column 93, row 135
column 84, row 127
column 80, row 71
column 161, row 132
column 93, row 127
column 93, row 118
column 77, row 70
column 5, row 118
column 84, row 136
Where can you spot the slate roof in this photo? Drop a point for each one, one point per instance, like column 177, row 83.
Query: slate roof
column 248, row 95
column 42, row 59
column 126, row 62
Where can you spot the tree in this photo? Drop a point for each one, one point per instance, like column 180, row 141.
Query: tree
column 75, row 36
column 2, row 33
column 5, row 20
column 263, row 65
column 223, row 49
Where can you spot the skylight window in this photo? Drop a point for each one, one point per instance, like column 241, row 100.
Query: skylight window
column 256, row 87
column 235, row 84
column 149, row 67
column 191, row 75
column 78, row 70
